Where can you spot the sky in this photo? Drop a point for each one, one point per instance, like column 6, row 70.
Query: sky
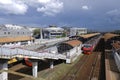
column 101, row 15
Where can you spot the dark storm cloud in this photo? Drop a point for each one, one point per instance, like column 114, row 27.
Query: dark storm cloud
column 95, row 14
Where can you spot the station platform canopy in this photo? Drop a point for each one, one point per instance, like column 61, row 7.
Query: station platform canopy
column 65, row 46
column 15, row 39
column 108, row 36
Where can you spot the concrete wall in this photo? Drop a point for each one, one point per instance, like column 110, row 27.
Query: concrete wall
column 73, row 54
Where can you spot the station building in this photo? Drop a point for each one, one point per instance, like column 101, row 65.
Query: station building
column 15, row 35
column 71, row 48
column 52, row 32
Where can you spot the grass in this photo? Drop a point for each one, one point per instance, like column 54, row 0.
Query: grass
column 57, row 72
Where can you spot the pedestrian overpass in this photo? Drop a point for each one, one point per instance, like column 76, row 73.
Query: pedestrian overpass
column 7, row 54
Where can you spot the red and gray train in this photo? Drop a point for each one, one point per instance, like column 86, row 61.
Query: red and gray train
column 89, row 41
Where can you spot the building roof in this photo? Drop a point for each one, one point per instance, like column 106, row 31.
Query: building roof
column 78, row 28
column 15, row 39
column 54, row 29
column 89, row 35
column 73, row 43
column 75, row 37
column 109, row 36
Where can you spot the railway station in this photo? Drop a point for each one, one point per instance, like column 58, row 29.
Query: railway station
column 103, row 54
column 59, row 40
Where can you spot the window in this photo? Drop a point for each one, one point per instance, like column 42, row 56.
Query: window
column 17, row 32
column 8, row 32
column 4, row 32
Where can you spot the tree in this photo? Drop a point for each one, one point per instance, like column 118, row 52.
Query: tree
column 64, row 34
column 36, row 33
column 117, row 32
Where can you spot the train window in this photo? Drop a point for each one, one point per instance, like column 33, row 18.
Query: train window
column 87, row 46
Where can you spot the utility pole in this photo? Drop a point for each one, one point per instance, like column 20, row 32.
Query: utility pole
column 41, row 35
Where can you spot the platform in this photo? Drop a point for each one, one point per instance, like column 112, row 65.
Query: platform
column 112, row 72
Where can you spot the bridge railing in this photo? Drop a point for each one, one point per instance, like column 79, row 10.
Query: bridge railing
column 11, row 53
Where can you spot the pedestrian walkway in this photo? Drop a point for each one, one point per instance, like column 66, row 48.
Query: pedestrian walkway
column 112, row 72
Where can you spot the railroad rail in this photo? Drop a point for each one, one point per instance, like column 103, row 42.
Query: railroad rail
column 87, row 68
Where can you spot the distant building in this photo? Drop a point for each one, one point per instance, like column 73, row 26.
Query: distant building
column 77, row 31
column 52, row 32
column 10, row 30
column 66, row 30
column 10, row 34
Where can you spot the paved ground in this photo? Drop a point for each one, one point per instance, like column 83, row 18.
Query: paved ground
column 111, row 68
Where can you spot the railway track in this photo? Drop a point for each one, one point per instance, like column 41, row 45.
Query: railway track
column 88, row 67
column 84, row 69
column 71, row 75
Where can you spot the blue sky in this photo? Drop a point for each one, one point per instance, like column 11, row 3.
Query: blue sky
column 100, row 15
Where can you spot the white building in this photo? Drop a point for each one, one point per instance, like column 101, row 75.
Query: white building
column 77, row 31
column 10, row 30
column 52, row 32
column 14, row 34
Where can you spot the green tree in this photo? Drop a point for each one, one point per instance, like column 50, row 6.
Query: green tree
column 36, row 33
column 117, row 32
column 64, row 34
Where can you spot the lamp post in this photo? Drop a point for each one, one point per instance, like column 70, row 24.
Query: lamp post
column 41, row 35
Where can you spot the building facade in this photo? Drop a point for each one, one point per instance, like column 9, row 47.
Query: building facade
column 14, row 34
column 78, row 31
column 10, row 30
column 52, row 32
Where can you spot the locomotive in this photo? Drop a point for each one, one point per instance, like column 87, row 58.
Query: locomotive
column 87, row 48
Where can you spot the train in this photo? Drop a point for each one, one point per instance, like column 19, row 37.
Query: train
column 87, row 48
column 89, row 42
column 90, row 45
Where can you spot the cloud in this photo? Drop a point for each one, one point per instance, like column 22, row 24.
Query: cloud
column 113, row 17
column 50, row 7
column 114, row 12
column 47, row 7
column 13, row 7
column 85, row 7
